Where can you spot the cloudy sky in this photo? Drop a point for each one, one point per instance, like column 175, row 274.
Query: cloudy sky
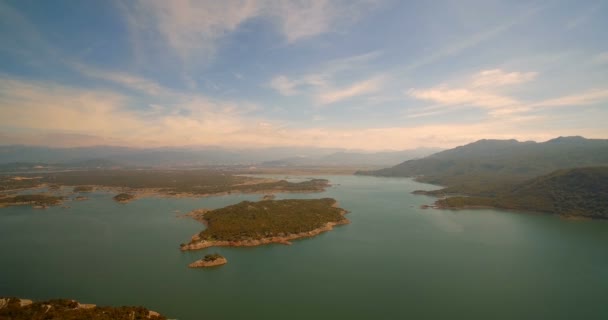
column 359, row 74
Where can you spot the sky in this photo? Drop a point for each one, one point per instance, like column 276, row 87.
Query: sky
column 354, row 74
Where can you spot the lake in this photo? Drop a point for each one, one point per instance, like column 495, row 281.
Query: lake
column 394, row 261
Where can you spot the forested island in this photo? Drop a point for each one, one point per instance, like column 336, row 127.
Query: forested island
column 64, row 309
column 565, row 176
column 268, row 221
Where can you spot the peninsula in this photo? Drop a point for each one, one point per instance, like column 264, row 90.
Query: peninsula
column 268, row 221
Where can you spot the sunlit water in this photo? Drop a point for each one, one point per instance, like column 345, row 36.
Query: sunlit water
column 394, row 261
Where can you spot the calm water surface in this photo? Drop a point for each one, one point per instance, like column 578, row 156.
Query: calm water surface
column 394, row 261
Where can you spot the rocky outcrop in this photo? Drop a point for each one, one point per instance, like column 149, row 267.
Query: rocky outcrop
column 202, row 263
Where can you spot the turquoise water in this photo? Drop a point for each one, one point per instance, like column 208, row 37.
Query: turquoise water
column 394, row 261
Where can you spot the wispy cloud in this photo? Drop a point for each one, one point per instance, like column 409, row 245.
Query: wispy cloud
column 320, row 85
column 471, row 41
column 124, row 79
column 484, row 91
column 499, row 78
column 581, row 99
column 192, row 29
column 368, row 86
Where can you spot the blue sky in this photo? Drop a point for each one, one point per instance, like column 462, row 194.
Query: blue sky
column 371, row 75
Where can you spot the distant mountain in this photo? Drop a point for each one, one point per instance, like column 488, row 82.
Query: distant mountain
column 571, row 192
column 41, row 167
column 349, row 158
column 481, row 167
column 202, row 156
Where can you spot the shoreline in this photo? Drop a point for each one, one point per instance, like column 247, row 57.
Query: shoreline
column 196, row 243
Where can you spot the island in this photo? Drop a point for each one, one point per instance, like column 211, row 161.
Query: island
column 263, row 222
column 209, row 260
column 123, row 197
column 64, row 309
column 39, row 201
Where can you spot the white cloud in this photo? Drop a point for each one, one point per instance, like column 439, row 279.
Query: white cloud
column 498, row 78
column 461, row 96
column 484, row 91
column 192, row 29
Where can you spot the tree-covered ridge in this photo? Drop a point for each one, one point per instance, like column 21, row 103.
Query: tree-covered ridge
column 572, row 192
column 269, row 218
column 62, row 309
column 485, row 167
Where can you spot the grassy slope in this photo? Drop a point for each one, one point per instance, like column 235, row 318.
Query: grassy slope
column 268, row 218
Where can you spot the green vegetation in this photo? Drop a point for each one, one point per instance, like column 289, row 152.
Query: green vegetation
column 33, row 199
column 517, row 175
column 489, row 167
column 11, row 182
column 11, row 309
column 212, row 257
column 83, row 189
column 572, row 192
column 124, row 197
column 269, row 218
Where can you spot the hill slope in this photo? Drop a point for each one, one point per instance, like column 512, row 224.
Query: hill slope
column 486, row 166
column 572, row 192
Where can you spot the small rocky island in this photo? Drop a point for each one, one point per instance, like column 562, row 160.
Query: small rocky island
column 268, row 221
column 123, row 197
column 209, row 260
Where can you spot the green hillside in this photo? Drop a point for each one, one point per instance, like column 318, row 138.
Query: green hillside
column 488, row 167
column 572, row 192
